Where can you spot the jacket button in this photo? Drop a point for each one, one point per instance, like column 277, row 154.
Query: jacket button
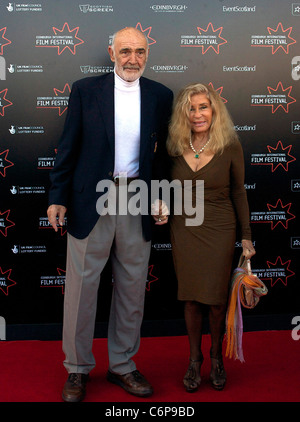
column 110, row 173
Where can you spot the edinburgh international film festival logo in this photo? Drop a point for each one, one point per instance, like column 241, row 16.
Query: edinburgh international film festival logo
column 276, row 157
column 278, row 214
column 278, row 98
column 5, row 281
column 208, row 38
column 64, row 39
column 59, row 101
column 277, row 272
column 57, row 280
column 277, row 39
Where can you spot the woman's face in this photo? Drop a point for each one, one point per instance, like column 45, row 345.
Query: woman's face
column 200, row 115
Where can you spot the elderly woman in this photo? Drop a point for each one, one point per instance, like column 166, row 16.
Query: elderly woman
column 204, row 146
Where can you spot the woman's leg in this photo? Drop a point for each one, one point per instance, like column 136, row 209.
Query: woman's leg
column 217, row 316
column 193, row 318
column 193, row 315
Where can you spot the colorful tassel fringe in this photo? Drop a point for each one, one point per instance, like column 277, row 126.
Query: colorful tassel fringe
column 246, row 290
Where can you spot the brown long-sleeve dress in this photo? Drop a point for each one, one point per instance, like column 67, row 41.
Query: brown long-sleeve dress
column 203, row 254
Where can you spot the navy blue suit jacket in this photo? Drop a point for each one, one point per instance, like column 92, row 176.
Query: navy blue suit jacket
column 86, row 149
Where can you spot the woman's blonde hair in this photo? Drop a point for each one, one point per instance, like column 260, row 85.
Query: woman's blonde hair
column 221, row 132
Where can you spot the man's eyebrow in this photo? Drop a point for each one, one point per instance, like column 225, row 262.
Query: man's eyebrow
column 130, row 49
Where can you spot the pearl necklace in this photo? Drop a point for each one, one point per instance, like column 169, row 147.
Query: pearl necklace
column 197, row 153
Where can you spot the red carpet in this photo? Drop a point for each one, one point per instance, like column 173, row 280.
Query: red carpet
column 32, row 371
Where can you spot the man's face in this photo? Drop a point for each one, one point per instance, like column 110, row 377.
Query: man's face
column 130, row 54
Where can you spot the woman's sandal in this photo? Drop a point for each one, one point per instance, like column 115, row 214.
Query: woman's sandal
column 192, row 378
column 217, row 375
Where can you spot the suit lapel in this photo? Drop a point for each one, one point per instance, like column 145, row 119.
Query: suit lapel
column 148, row 107
column 105, row 98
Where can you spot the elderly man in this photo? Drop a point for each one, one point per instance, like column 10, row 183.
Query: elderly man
column 116, row 124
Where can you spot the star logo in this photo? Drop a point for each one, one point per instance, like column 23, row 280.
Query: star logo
column 296, row 10
column 149, row 29
column 286, row 212
column 282, row 269
column 283, row 33
column 151, row 277
column 283, row 92
column 219, row 91
column 67, row 31
column 280, row 149
column 5, row 281
column 4, row 102
column 5, row 223
column 62, row 273
column 214, row 35
column 62, row 229
column 4, row 162
column 65, row 92
column 2, row 38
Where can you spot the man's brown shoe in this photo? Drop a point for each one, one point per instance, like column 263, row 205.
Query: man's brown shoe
column 133, row 382
column 75, row 387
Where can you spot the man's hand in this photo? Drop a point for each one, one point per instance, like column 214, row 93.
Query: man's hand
column 56, row 213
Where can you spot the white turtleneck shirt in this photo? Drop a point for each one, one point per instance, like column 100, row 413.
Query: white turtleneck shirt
column 127, row 127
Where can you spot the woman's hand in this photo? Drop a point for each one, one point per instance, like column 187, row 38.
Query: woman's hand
column 248, row 249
